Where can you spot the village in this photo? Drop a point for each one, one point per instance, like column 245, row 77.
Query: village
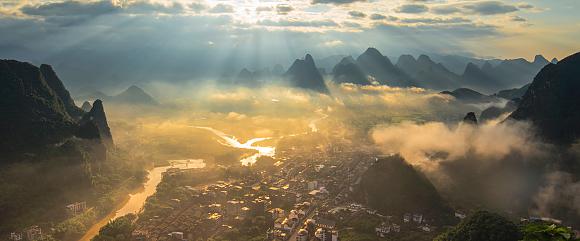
column 301, row 197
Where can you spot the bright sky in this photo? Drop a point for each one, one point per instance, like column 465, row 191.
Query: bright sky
column 272, row 30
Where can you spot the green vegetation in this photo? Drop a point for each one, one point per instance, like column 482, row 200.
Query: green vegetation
column 119, row 229
column 353, row 235
column 362, row 227
column 394, row 187
column 486, row 226
column 482, row 226
column 75, row 226
column 36, row 192
column 546, row 232
column 174, row 186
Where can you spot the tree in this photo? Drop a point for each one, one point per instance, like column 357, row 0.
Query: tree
column 483, row 226
column 119, row 229
column 546, row 232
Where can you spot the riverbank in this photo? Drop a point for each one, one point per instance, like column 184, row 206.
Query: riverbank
column 133, row 203
column 94, row 229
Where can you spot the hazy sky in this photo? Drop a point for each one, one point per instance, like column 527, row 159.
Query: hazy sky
column 142, row 34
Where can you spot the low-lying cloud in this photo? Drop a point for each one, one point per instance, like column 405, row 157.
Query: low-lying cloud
column 423, row 144
column 496, row 165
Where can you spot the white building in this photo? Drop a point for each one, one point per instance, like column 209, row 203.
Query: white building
column 460, row 215
column 383, row 230
column 34, row 233
column 326, row 234
column 313, row 185
column 176, row 235
column 302, row 235
column 418, row 218
column 16, row 236
column 407, row 217
column 77, row 208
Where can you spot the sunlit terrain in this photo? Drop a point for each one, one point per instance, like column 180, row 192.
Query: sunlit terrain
column 303, row 120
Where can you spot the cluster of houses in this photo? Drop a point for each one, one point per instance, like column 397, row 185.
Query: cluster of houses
column 386, row 228
column 77, row 208
column 35, row 232
column 304, row 180
column 296, row 226
column 32, row 233
column 318, row 230
column 286, row 223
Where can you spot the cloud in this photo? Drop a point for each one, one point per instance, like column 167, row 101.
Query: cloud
column 337, row 2
column 559, row 191
column 525, row 6
column 351, row 24
column 263, row 9
column 412, row 8
column 197, row 6
column 145, row 7
column 357, row 14
column 77, row 8
column 71, row 13
column 332, row 43
column 443, row 31
column 376, row 16
column 297, row 23
column 518, row 19
column 479, row 8
column 421, row 144
column 222, row 8
column 436, row 20
column 490, row 8
column 69, row 8
column 282, row 9
column 446, row 9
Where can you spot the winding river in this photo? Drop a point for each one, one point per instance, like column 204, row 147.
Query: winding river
column 137, row 200
column 232, row 141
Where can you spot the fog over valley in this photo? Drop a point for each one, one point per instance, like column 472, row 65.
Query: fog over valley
column 307, row 120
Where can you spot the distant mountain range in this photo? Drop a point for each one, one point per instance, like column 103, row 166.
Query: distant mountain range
column 513, row 93
column 436, row 72
column 430, row 74
column 470, row 96
column 371, row 67
column 38, row 112
column 426, row 73
column 132, row 95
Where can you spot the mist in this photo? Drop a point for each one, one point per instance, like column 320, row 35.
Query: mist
column 498, row 165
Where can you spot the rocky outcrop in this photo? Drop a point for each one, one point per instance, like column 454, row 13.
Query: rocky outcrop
column 469, row 96
column 428, row 73
column 470, row 119
column 98, row 118
column 58, row 87
column 134, row 95
column 33, row 115
column 552, row 100
column 495, row 112
column 37, row 110
column 304, row 74
column 476, row 78
column 394, row 187
column 347, row 71
column 515, row 93
column 86, row 107
column 373, row 63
